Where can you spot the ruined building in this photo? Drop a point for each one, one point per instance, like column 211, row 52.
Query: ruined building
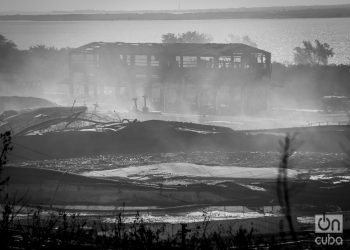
column 195, row 78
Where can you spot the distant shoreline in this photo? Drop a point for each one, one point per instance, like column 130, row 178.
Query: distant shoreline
column 341, row 11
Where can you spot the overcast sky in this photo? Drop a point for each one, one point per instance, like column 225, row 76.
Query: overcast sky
column 114, row 5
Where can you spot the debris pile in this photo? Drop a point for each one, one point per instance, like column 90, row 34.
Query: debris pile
column 58, row 119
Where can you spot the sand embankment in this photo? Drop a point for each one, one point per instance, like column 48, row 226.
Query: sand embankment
column 161, row 137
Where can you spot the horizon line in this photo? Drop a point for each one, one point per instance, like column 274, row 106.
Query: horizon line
column 99, row 11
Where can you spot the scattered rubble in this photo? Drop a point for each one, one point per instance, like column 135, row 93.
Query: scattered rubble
column 57, row 119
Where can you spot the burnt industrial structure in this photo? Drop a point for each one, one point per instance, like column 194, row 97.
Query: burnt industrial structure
column 202, row 78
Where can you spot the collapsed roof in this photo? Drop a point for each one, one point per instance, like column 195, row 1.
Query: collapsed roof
column 188, row 49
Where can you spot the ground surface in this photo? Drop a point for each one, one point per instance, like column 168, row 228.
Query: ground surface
column 178, row 169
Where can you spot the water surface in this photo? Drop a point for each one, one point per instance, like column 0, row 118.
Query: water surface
column 280, row 36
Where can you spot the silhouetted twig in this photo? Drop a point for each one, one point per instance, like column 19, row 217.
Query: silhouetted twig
column 283, row 187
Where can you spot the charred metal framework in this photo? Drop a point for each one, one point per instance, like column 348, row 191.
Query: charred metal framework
column 206, row 78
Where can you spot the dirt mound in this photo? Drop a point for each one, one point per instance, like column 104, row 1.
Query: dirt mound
column 20, row 102
column 164, row 137
column 40, row 186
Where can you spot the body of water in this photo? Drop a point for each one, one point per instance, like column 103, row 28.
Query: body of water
column 279, row 36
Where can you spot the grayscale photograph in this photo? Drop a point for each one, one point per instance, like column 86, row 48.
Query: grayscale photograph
column 175, row 124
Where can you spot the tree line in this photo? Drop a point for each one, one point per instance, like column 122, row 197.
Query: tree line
column 39, row 63
column 310, row 76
